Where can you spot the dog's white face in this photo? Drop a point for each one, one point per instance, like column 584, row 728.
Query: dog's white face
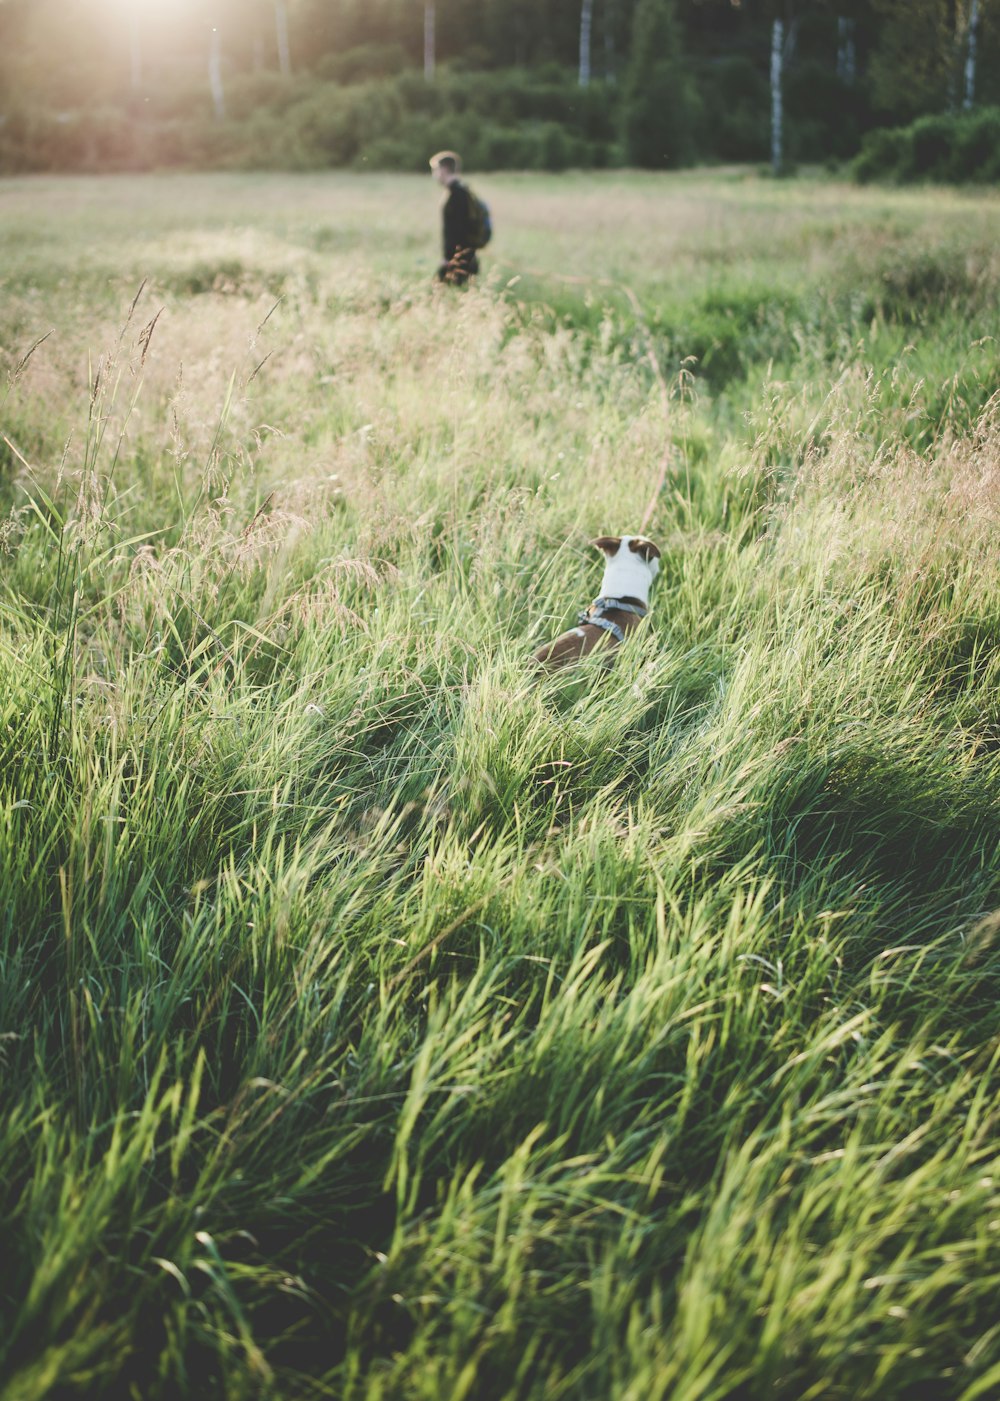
column 631, row 564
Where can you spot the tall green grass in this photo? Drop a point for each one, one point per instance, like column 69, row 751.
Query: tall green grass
column 379, row 1020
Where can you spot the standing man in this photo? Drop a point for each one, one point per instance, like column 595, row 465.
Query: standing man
column 460, row 242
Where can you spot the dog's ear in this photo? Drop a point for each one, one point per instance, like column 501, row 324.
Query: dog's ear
column 608, row 543
column 644, row 547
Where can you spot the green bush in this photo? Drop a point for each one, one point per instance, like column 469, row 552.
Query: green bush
column 957, row 148
column 249, row 94
column 517, row 118
column 379, row 114
column 882, row 155
column 484, row 146
column 499, row 147
column 92, row 140
column 359, row 64
column 976, row 150
column 931, row 143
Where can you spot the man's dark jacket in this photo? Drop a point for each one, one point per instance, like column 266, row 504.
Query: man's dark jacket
column 458, row 251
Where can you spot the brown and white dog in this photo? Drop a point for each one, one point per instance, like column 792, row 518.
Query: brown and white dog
column 631, row 564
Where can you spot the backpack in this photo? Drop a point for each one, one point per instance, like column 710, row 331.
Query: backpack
column 480, row 223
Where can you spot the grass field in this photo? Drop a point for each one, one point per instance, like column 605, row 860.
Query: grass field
column 378, row 1021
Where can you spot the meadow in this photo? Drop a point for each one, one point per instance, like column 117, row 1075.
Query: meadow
column 379, row 1020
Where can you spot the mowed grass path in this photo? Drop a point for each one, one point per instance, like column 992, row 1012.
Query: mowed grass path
column 377, row 1020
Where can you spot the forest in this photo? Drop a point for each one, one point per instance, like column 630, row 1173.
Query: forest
column 105, row 85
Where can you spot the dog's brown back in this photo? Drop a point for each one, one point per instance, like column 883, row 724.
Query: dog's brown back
column 577, row 643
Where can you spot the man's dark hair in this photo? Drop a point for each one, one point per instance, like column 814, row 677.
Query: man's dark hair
column 447, row 160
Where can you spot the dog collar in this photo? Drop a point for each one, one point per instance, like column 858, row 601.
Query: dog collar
column 604, row 604
column 594, row 615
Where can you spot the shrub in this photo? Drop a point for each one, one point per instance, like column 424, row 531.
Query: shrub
column 248, row 94
column 958, row 147
column 359, row 64
column 931, row 140
column 976, row 154
column 882, row 156
column 504, row 148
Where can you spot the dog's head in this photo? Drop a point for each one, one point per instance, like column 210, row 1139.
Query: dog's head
column 631, row 564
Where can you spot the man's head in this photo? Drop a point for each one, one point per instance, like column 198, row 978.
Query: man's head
column 445, row 167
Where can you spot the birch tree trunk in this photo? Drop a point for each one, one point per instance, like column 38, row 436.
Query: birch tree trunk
column 847, row 60
column 428, row 42
column 586, row 17
column 777, row 109
column 215, row 73
column 135, row 50
column 281, row 29
column 970, row 56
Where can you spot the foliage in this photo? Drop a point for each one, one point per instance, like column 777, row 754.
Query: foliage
column 379, row 1020
column 115, row 86
column 964, row 147
column 918, row 65
column 733, row 124
column 658, row 98
column 522, row 119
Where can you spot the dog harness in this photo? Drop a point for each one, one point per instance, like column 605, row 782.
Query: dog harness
column 594, row 615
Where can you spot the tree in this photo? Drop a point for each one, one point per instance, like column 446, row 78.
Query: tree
column 135, row 50
column 777, row 94
column 921, row 62
column 586, row 18
column 657, row 99
column 970, row 54
column 429, row 18
column 215, row 71
column 847, row 57
column 281, row 29
column 784, row 24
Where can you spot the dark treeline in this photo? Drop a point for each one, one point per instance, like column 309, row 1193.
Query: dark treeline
column 106, row 84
